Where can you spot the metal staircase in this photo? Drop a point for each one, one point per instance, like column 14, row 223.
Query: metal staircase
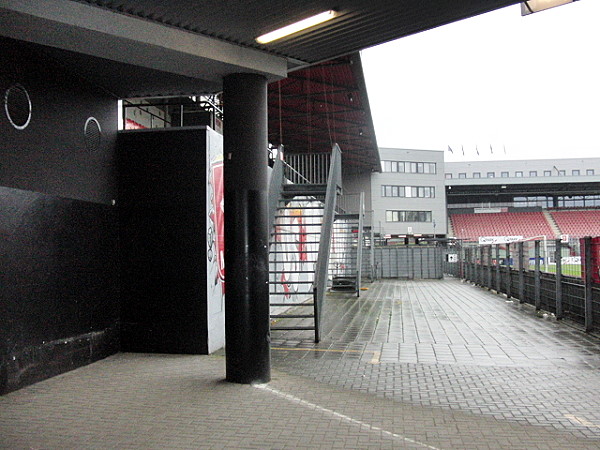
column 345, row 261
column 302, row 197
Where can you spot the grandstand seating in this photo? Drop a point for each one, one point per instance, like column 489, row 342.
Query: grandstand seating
column 578, row 223
column 526, row 224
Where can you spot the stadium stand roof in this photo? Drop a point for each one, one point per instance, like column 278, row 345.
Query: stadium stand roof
column 321, row 104
column 187, row 47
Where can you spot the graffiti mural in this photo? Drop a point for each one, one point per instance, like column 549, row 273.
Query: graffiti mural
column 215, row 243
column 296, row 246
column 215, row 235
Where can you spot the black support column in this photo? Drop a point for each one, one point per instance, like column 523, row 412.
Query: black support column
column 247, row 334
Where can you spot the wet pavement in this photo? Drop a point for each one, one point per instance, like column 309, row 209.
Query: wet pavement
column 452, row 345
column 435, row 364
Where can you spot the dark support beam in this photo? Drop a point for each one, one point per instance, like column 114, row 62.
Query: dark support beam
column 247, row 333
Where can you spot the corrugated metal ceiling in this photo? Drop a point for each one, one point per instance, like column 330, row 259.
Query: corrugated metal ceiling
column 359, row 25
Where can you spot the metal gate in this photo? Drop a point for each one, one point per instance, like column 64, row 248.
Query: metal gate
column 409, row 262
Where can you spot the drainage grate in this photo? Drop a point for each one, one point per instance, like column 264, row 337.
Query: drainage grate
column 17, row 105
column 93, row 134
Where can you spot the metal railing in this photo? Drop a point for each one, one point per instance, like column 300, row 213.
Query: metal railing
column 275, row 187
column 566, row 286
column 334, row 182
column 308, row 168
column 204, row 110
column 350, row 203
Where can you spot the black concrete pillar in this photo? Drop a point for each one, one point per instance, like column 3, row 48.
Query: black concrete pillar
column 247, row 334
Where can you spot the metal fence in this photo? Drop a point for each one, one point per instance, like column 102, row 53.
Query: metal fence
column 409, row 262
column 558, row 277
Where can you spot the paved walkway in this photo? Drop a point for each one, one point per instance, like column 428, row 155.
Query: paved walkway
column 411, row 364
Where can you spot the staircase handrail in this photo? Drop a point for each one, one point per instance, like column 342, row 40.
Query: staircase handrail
column 275, row 186
column 334, row 182
column 298, row 175
column 360, row 240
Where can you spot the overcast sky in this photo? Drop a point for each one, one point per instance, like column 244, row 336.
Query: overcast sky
column 528, row 84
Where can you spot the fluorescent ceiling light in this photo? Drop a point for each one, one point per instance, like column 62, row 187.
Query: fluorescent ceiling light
column 532, row 6
column 296, row 27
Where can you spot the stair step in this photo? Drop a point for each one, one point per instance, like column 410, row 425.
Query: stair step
column 299, row 207
column 290, row 293
column 291, row 271
column 303, row 251
column 278, row 261
column 303, row 216
column 304, row 187
column 317, row 196
column 292, row 304
column 292, row 316
column 305, row 242
column 298, row 224
column 291, row 328
column 306, row 233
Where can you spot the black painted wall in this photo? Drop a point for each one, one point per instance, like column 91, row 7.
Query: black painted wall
column 163, row 240
column 50, row 155
column 59, row 274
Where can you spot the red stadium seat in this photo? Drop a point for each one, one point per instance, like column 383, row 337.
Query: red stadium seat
column 578, row 223
column 526, row 224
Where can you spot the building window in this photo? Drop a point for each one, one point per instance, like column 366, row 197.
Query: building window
column 449, row 176
column 408, row 191
column 408, row 167
column 547, row 173
column 462, row 175
column 491, row 174
column 430, row 168
column 408, row 216
column 519, row 174
column 589, row 172
column 575, row 172
column 504, row 174
column 476, row 174
column 533, row 173
column 562, row 173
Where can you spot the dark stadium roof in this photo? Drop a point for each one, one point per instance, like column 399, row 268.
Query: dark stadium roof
column 322, row 104
column 502, row 192
column 189, row 40
column 360, row 23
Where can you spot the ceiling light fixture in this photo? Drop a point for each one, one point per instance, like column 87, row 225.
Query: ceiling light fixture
column 296, row 27
column 533, row 6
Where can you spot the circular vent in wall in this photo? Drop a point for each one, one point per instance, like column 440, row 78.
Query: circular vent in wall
column 93, row 134
column 17, row 106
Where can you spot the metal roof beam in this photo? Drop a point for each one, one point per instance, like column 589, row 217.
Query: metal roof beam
column 90, row 30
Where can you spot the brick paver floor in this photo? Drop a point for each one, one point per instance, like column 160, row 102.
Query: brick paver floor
column 452, row 345
column 411, row 364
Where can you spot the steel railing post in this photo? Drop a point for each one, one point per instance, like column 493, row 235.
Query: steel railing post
column 558, row 261
column 508, row 274
column 587, row 277
column 498, row 273
column 537, row 277
column 521, row 247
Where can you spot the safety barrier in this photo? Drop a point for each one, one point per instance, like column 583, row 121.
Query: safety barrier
column 559, row 283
